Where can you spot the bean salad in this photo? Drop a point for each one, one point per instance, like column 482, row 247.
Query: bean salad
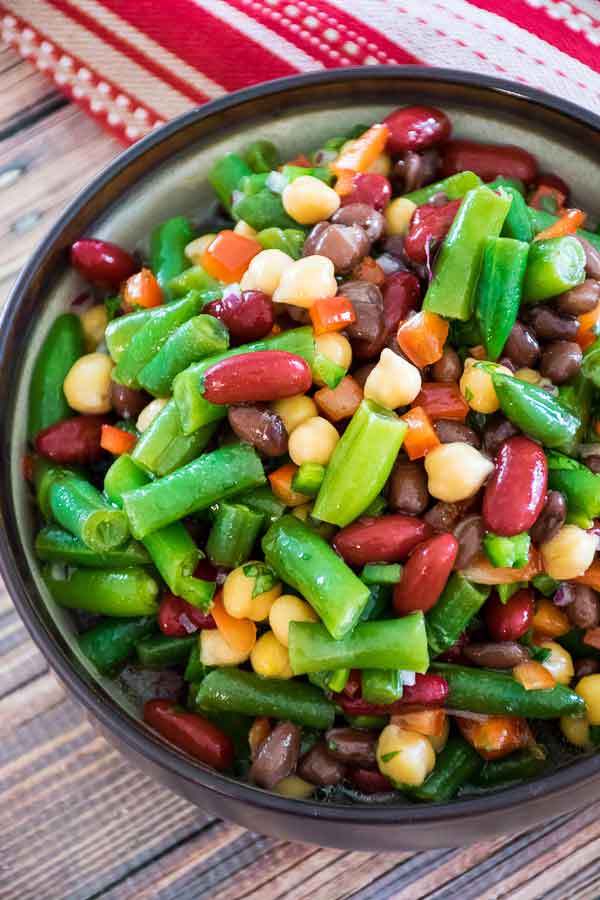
column 321, row 485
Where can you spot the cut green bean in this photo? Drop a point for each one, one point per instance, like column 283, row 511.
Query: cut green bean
column 379, row 573
column 499, row 290
column 518, row 766
column 262, row 500
column 540, row 220
column 233, row 534
column 117, row 592
column 453, row 187
column 121, row 331
column 81, row 509
column 288, row 240
column 554, row 265
column 308, row 479
column 111, row 643
column 163, row 447
column 167, row 250
column 226, row 175
column 52, row 544
column 160, row 651
column 381, row 685
column 446, row 621
column 62, row 347
column 457, row 764
column 262, row 156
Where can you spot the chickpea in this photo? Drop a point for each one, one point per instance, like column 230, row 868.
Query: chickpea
column 293, row 411
column 306, row 280
column 393, row 382
column 381, row 166
column 215, row 651
column 265, row 271
column 87, row 385
column 294, row 787
column 195, row 249
column 588, row 687
column 313, row 441
column 335, row 347
column 576, row 730
column 569, row 553
column 456, row 471
column 398, row 214
column 93, row 324
column 238, row 589
column 270, row 658
column 405, row 757
column 286, row 609
column 244, row 229
column 150, row 413
column 559, row 663
column 477, row 387
column 309, row 200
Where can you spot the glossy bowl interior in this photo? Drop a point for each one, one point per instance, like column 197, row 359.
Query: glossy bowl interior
column 164, row 175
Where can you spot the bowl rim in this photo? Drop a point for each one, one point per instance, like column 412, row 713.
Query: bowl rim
column 133, row 733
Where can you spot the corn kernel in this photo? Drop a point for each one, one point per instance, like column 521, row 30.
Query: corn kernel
column 398, row 214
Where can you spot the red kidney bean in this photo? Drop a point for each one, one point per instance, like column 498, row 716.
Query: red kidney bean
column 374, row 190
column 352, row 745
column 428, row 690
column 127, row 402
column 72, row 441
column 370, row 781
column 277, row 755
column 248, row 317
column 428, row 223
column 401, row 293
column 263, row 375
column 416, row 128
column 102, row 263
column 425, row 574
column 318, row 766
column 178, row 618
column 488, row 160
column 261, row 427
column 515, row 494
column 386, row 539
column 191, row 733
column 509, row 621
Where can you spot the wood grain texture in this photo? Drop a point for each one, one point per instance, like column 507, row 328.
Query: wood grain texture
column 77, row 822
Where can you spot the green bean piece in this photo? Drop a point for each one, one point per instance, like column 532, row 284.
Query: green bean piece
column 196, row 278
column 121, row 331
column 381, row 685
column 388, row 644
column 504, row 182
column 496, row 694
column 540, row 220
column 52, row 544
column 214, row 476
column 112, row 642
column 545, row 585
column 167, row 250
column 536, row 412
column 163, row 447
column 146, row 342
column 446, row 621
column 226, row 175
column 380, row 596
column 457, row 764
column 326, row 370
column 262, row 156
column 380, row 573
column 81, row 509
column 499, row 290
column 507, row 552
column 232, row 690
column 308, row 479
column 518, row 766
column 195, row 670
column 234, row 531
column 263, row 209
column 577, row 398
column 62, row 347
column 123, row 475
column 45, row 474
column 580, row 486
column 307, row 562
column 517, row 224
column 160, row 651
column 453, row 187
column 376, row 507
column 554, row 265
column 198, row 337
column 195, row 411
column 262, row 500
column 452, row 291
column 374, row 722
column 117, row 592
column 337, row 680
column 356, row 473
column 289, row 240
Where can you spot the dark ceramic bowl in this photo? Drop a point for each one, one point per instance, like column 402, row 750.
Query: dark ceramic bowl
column 164, row 175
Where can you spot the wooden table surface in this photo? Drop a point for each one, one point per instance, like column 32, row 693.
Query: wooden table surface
column 76, row 820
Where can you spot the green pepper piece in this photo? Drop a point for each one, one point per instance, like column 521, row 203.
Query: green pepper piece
column 262, row 500
column 545, row 585
column 504, row 182
column 379, row 573
column 374, row 722
column 505, row 591
column 453, row 187
column 507, row 552
column 225, row 177
column 446, row 621
column 111, row 643
column 230, row 689
column 578, row 483
column 195, row 670
column 499, row 291
column 198, row 337
column 81, row 509
column 163, row 447
column 289, row 240
column 554, row 265
column 456, row 764
column 380, row 596
column 308, row 479
column 160, row 651
column 262, row 210
column 496, row 694
column 306, row 562
column 518, row 766
column 360, row 464
column 234, row 531
column 326, row 371
column 55, row 545
column 262, row 156
column 116, row 592
column 381, row 685
column 577, row 397
column 389, row 644
column 167, row 250
column 452, row 291
column 214, row 476
column 195, row 279
column 195, row 411
column 62, row 347
column 253, row 184
column 146, row 342
column 338, row 680
column 517, row 224
column 290, row 173
column 536, row 412
column 540, row 220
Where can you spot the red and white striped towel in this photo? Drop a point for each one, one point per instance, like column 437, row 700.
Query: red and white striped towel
column 133, row 64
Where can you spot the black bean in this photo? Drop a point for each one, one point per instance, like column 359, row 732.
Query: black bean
column 277, row 755
column 448, row 368
column 352, row 745
column 259, row 426
column 585, row 666
column 443, row 516
column 497, row 430
column 561, row 361
column 551, row 519
column 413, row 170
column 469, row 533
column 127, row 402
column 367, row 300
column 492, row 655
column 319, row 766
column 407, row 487
column 521, row 347
column 362, row 373
column 581, row 299
column 450, row 431
column 584, row 611
column 344, row 245
column 369, row 219
column 548, row 325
